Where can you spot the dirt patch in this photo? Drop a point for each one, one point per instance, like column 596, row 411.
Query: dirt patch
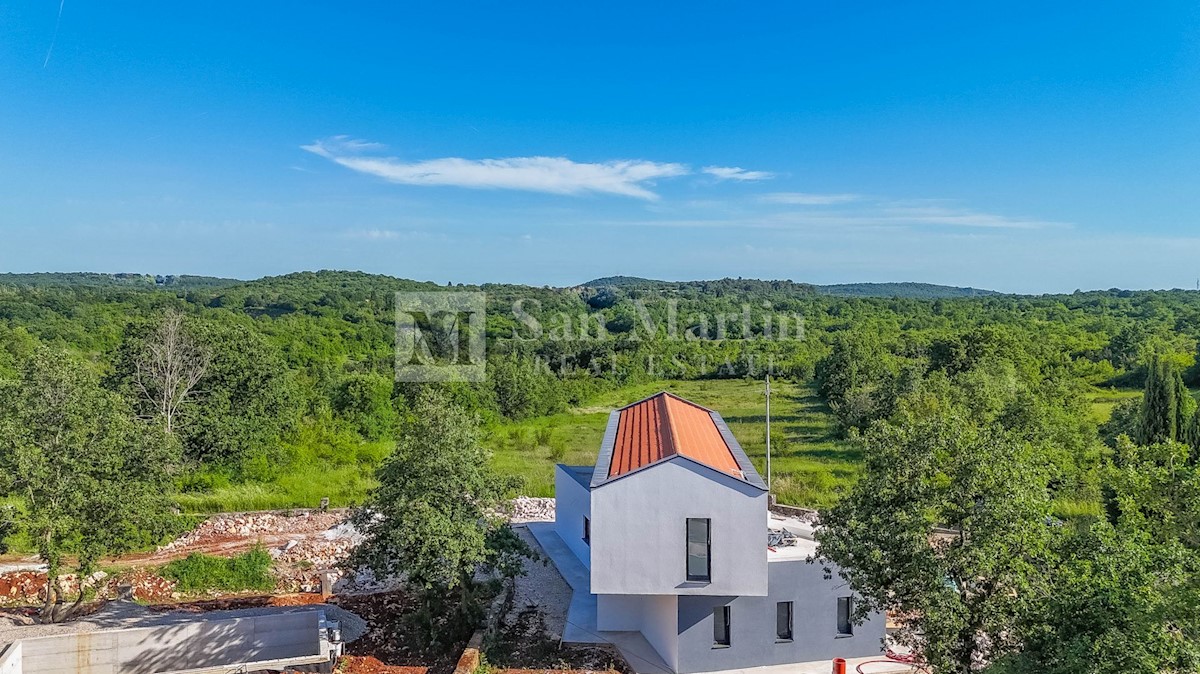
column 524, row 644
column 391, row 637
column 354, row 664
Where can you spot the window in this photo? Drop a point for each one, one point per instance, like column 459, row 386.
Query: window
column 587, row 531
column 699, row 547
column 845, row 608
column 721, row 626
column 783, row 621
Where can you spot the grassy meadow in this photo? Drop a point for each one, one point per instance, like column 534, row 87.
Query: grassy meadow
column 809, row 464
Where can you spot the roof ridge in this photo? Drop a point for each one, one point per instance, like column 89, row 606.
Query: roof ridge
column 670, row 446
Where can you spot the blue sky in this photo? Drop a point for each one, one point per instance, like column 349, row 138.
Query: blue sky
column 1020, row 146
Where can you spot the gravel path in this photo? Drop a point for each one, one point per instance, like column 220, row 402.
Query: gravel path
column 542, row 588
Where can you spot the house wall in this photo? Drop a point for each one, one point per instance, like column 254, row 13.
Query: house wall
column 572, row 504
column 655, row 616
column 639, row 532
column 752, row 624
column 10, row 659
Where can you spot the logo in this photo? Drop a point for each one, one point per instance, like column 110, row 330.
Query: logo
column 441, row 336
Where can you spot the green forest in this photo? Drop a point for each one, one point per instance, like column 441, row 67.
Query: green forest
column 297, row 399
column 1018, row 475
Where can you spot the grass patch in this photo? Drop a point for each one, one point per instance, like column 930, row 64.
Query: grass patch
column 345, row 480
column 198, row 572
column 1104, row 401
column 810, row 465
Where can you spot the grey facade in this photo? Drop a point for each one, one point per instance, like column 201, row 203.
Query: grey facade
column 753, row 641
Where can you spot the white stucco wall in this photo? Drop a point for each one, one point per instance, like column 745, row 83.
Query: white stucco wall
column 639, row 535
column 572, row 504
column 655, row 616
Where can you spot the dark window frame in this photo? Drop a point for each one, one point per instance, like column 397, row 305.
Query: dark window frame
column 723, row 638
column 788, row 633
column 845, row 628
column 687, row 537
column 587, row 531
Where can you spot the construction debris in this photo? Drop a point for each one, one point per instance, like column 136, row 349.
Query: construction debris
column 531, row 509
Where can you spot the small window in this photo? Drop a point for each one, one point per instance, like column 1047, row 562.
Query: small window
column 699, row 548
column 587, row 531
column 721, row 626
column 783, row 621
column 845, row 608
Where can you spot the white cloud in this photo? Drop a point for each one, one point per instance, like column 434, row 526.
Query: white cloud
column 556, row 175
column 736, row 173
column 935, row 215
column 810, row 199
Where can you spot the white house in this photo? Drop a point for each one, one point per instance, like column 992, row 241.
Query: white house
column 672, row 526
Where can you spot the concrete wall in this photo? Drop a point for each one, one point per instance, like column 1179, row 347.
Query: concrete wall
column 639, row 536
column 572, row 504
column 655, row 616
column 10, row 659
column 752, row 624
column 183, row 646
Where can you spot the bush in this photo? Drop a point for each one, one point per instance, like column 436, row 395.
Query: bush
column 198, row 572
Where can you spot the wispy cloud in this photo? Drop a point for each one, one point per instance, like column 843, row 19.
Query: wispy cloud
column 958, row 217
column 736, row 173
column 810, row 199
column 555, row 175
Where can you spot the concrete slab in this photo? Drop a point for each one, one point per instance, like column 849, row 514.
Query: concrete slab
column 581, row 615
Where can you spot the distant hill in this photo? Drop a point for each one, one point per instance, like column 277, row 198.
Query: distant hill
column 114, row 280
column 905, row 290
column 923, row 291
column 622, row 281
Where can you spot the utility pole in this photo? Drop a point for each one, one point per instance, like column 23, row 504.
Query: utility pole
column 768, row 433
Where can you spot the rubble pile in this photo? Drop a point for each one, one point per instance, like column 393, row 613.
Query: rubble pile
column 21, row 587
column 532, row 509
column 29, row 587
column 247, row 525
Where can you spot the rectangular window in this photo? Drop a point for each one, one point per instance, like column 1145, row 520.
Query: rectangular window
column 721, row 626
column 783, row 621
column 587, row 531
column 845, row 608
column 699, row 548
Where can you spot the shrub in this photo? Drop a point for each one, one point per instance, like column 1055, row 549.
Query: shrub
column 198, row 572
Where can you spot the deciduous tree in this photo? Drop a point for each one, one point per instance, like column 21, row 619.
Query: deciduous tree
column 89, row 478
column 960, row 589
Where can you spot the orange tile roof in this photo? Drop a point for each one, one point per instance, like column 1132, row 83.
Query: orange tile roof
column 665, row 425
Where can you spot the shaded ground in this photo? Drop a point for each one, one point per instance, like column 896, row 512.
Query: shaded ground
column 529, row 636
column 393, row 641
column 524, row 643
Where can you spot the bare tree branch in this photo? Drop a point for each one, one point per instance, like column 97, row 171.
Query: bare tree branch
column 169, row 368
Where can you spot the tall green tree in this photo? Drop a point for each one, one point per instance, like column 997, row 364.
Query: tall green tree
column 1124, row 596
column 948, row 527
column 365, row 401
column 89, row 479
column 1167, row 405
column 436, row 516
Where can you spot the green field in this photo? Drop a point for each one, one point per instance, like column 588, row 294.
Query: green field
column 1105, row 400
column 810, row 466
